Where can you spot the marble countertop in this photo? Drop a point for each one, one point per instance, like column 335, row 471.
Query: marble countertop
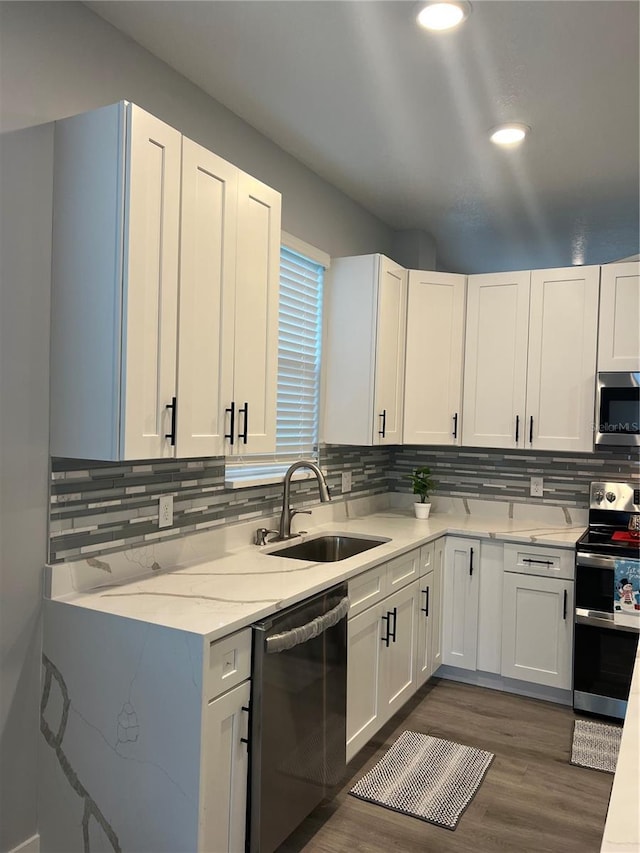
column 219, row 589
column 622, row 829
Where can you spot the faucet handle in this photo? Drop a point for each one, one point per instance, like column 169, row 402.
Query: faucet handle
column 300, row 512
column 261, row 535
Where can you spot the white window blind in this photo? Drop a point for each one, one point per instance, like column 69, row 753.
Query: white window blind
column 299, row 353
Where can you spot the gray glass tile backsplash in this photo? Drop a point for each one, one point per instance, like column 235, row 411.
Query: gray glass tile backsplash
column 100, row 507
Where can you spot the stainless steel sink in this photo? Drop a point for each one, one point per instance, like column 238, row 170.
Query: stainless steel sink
column 328, row 549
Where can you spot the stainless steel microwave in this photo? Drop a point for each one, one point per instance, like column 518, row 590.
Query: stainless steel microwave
column 618, row 410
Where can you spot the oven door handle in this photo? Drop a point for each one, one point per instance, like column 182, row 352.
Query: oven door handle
column 596, row 561
column 604, row 621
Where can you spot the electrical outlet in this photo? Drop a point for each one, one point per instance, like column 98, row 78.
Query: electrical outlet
column 165, row 511
column 346, row 482
column 537, row 487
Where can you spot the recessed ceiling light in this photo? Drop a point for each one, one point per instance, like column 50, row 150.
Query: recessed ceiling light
column 445, row 15
column 509, row 135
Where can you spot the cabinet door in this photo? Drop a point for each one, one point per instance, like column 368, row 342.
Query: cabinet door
column 389, row 354
column 424, row 604
column 461, row 598
column 256, row 316
column 619, row 328
column 398, row 664
column 363, row 678
column 207, row 284
column 495, row 361
column 224, row 772
column 433, row 371
column 561, row 372
column 150, row 285
column 537, row 629
column 436, row 603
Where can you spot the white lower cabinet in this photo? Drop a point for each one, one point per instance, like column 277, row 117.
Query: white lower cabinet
column 224, row 757
column 429, row 612
column 461, row 599
column 537, row 628
column 225, row 765
column 382, row 645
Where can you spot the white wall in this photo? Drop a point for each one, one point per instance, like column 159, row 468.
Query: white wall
column 58, row 59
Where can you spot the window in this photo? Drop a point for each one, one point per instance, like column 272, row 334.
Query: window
column 299, row 352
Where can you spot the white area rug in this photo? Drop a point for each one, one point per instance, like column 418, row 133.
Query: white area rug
column 595, row 745
column 426, row 777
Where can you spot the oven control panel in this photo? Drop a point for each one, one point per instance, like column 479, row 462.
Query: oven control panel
column 624, row 497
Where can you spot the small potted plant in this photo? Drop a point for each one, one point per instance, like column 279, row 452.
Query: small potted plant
column 423, row 484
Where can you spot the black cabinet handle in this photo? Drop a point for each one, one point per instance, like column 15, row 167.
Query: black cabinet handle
column 172, row 435
column 392, row 634
column 564, row 606
column 245, row 432
column 470, row 562
column 384, row 423
column 538, row 562
column 517, row 428
column 455, row 425
column 245, row 739
column 232, row 422
column 425, row 609
column 531, row 430
column 386, row 618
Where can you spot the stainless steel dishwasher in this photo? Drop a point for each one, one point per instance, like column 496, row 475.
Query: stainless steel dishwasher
column 298, row 714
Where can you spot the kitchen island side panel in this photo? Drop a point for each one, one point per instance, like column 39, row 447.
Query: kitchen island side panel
column 120, row 734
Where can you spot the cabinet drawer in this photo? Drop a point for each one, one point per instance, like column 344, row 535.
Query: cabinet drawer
column 541, row 561
column 403, row 570
column 367, row 589
column 228, row 664
column 427, row 558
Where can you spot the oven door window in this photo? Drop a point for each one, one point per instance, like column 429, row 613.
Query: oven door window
column 603, row 661
column 620, row 411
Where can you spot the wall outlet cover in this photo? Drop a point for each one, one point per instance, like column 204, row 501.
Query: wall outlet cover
column 346, row 481
column 165, row 511
column 537, row 487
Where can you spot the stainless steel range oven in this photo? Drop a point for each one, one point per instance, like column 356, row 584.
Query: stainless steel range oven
column 607, row 619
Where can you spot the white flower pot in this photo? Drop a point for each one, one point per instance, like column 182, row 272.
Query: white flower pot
column 422, row 510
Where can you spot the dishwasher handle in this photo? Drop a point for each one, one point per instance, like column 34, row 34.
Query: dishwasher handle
column 296, row 636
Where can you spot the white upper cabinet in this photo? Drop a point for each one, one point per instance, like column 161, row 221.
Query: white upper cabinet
column 255, row 353
column 561, row 372
column 364, row 357
column 158, row 248
column 434, row 353
column 207, row 288
column 495, row 370
column 530, row 359
column 619, row 329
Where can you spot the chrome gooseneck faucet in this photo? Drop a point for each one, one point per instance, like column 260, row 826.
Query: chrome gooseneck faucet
column 284, row 531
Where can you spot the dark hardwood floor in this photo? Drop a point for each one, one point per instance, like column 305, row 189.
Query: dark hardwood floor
column 531, row 800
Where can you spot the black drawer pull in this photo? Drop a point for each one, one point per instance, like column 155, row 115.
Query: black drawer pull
column 232, row 422
column 470, row 562
column 564, row 606
column 537, row 562
column 392, row 634
column 386, row 618
column 382, row 431
column 172, row 435
column 517, row 428
column 245, row 432
column 455, row 425
column 425, row 609
column 531, row 430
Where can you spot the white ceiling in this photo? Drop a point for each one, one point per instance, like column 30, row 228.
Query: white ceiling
column 397, row 117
